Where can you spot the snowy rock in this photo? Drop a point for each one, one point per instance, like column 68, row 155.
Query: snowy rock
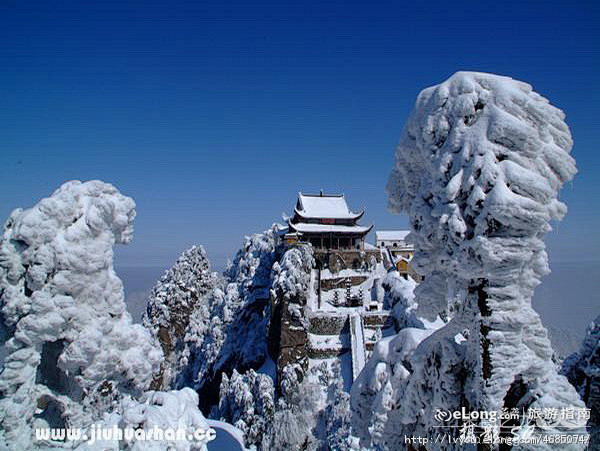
column 247, row 295
column 235, row 336
column 72, row 348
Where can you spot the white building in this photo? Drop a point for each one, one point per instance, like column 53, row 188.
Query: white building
column 392, row 239
column 397, row 250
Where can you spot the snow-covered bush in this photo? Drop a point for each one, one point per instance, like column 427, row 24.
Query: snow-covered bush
column 478, row 170
column 167, row 412
column 583, row 371
column 182, row 292
column 72, row 348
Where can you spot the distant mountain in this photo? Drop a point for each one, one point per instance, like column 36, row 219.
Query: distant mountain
column 564, row 341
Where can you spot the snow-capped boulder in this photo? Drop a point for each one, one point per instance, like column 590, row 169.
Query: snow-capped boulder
column 72, row 348
column 478, row 170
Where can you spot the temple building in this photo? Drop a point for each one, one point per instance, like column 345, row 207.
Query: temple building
column 325, row 221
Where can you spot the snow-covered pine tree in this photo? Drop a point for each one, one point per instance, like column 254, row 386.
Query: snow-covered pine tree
column 338, row 416
column 296, row 413
column 73, row 351
column 182, row 293
column 241, row 313
column 478, row 170
column 248, row 402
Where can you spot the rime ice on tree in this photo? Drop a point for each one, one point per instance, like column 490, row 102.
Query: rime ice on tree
column 478, row 170
column 73, row 351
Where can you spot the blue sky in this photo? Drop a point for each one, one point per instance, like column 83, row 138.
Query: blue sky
column 212, row 116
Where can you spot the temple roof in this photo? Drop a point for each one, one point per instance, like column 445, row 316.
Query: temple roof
column 329, row 228
column 321, row 205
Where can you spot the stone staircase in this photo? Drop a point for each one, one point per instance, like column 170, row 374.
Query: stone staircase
column 357, row 344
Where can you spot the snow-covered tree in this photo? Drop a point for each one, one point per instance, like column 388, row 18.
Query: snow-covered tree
column 373, row 392
column 291, row 280
column 182, row 292
column 203, row 340
column 338, row 416
column 583, row 371
column 478, row 170
column 248, row 402
column 297, row 412
column 73, row 351
column 233, row 333
column 291, row 276
column 400, row 297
